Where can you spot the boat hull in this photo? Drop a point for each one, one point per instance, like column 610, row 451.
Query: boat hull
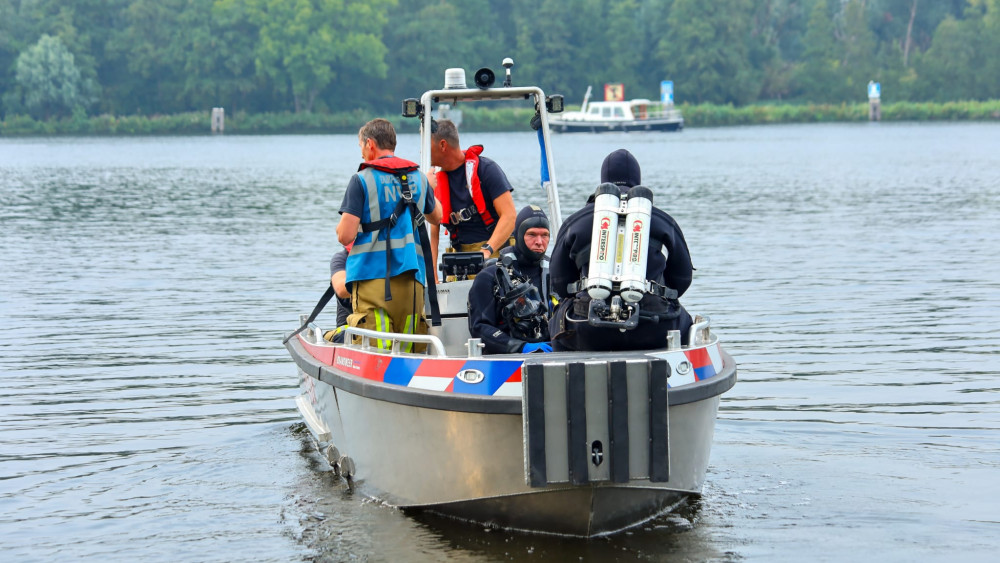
column 564, row 126
column 583, row 512
column 466, row 456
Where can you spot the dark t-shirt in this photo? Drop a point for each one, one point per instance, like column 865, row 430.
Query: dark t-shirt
column 338, row 264
column 494, row 184
column 354, row 198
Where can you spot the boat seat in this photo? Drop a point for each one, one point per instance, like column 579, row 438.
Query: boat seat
column 453, row 302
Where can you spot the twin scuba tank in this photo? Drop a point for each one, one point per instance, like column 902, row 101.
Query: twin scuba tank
column 619, row 244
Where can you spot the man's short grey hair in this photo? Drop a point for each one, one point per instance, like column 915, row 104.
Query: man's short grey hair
column 446, row 130
column 382, row 131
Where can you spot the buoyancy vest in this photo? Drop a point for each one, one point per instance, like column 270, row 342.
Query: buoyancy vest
column 533, row 328
column 388, row 244
column 450, row 218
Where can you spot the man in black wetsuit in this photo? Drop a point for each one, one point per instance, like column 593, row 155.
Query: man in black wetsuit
column 668, row 265
column 509, row 300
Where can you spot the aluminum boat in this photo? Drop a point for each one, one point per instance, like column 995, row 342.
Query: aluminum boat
column 573, row 443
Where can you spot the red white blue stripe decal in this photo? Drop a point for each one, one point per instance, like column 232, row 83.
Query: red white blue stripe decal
column 486, row 376
column 499, row 377
column 689, row 366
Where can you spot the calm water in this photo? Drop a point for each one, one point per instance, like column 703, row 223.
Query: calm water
column 146, row 402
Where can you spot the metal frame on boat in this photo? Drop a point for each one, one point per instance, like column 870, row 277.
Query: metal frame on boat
column 575, row 443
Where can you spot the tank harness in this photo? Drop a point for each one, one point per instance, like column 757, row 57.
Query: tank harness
column 402, row 169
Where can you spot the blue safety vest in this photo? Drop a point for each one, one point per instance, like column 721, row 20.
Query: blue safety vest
column 383, row 192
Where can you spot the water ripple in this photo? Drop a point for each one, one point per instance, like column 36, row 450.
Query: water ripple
column 146, row 403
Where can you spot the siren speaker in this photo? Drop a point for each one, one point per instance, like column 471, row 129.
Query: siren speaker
column 485, row 78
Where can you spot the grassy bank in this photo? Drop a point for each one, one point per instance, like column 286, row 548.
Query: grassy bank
column 706, row 115
column 482, row 119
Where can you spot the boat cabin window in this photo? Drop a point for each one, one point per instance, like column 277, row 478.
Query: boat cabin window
column 595, row 111
column 619, row 112
column 606, row 112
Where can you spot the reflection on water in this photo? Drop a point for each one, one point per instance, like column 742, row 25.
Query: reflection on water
column 146, row 403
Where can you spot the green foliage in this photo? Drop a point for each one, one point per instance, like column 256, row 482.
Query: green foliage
column 10, row 45
column 304, row 45
column 498, row 119
column 315, row 57
column 476, row 119
column 556, row 35
column 708, row 44
column 948, row 111
column 817, row 75
column 708, row 115
column 962, row 61
column 48, row 80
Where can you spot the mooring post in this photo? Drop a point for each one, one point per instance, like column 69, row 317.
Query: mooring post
column 874, row 101
column 218, row 120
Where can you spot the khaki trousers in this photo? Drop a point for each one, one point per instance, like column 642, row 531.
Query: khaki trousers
column 404, row 313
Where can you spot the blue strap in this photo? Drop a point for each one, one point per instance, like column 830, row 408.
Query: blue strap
column 545, row 162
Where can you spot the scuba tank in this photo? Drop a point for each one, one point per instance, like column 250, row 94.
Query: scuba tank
column 603, row 241
column 619, row 252
column 638, row 210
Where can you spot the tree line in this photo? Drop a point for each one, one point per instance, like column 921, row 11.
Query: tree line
column 151, row 57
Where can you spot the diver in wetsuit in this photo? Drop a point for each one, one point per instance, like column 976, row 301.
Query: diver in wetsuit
column 509, row 300
column 668, row 271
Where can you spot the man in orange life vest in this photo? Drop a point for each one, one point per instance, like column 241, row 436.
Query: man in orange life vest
column 476, row 202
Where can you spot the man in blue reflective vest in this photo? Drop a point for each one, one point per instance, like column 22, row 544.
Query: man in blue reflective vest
column 383, row 212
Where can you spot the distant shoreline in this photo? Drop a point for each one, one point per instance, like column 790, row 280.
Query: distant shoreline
column 482, row 120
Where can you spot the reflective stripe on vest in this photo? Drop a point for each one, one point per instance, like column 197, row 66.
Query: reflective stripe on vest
column 367, row 259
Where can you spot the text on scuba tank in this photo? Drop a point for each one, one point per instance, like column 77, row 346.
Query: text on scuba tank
column 602, row 243
column 635, row 247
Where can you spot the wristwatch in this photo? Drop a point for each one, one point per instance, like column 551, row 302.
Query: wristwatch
column 486, row 246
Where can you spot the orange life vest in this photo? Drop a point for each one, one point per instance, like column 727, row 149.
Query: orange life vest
column 443, row 194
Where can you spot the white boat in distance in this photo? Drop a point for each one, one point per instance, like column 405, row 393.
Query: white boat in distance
column 633, row 115
column 573, row 443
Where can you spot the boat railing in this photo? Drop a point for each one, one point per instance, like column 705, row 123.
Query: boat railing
column 434, row 343
column 654, row 111
column 700, row 332
column 315, row 336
